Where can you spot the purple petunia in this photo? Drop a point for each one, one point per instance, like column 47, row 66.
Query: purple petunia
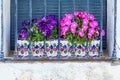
column 34, row 20
column 26, row 23
column 23, row 34
column 47, row 24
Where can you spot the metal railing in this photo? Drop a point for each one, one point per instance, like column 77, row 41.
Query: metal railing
column 59, row 14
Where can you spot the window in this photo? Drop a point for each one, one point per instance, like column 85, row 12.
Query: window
column 52, row 8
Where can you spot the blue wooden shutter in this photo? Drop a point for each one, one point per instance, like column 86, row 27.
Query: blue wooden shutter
column 52, row 8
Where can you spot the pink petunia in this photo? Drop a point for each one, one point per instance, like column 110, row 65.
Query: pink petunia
column 73, row 30
column 84, row 27
column 103, row 33
column 69, row 16
column 91, row 30
column 76, row 13
column 85, row 21
column 74, row 25
column 81, row 33
column 89, row 36
column 91, row 17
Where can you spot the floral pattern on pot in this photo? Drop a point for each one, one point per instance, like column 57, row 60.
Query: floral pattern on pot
column 23, row 48
column 52, row 48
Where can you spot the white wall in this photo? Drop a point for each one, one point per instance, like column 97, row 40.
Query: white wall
column 6, row 28
column 118, row 28
column 110, row 26
column 0, row 25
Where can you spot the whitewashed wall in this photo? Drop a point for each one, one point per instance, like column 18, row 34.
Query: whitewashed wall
column 110, row 26
column 118, row 28
column 0, row 25
column 6, row 28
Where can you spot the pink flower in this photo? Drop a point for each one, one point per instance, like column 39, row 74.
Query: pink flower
column 97, row 32
column 103, row 33
column 73, row 30
column 69, row 16
column 91, row 17
column 74, row 25
column 64, row 28
column 91, row 30
column 81, row 33
column 62, row 33
column 94, row 24
column 84, row 27
column 85, row 21
column 76, row 13
column 66, row 21
column 62, row 23
column 89, row 36
column 84, row 14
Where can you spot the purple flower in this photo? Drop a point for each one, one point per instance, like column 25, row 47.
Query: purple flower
column 34, row 20
column 50, row 26
column 49, row 33
column 47, row 24
column 26, row 23
column 23, row 33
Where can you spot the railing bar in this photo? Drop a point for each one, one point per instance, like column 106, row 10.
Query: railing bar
column 73, row 53
column 59, row 13
column 115, row 16
column 30, row 16
column 101, row 26
column 45, row 8
column 1, row 48
column 87, row 52
column 16, row 31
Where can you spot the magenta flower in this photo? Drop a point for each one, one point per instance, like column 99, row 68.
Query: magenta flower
column 94, row 24
column 74, row 25
column 69, row 16
column 89, row 36
column 103, row 33
column 66, row 21
column 62, row 23
column 83, row 14
column 73, row 30
column 91, row 30
column 91, row 17
column 85, row 21
column 81, row 33
column 76, row 13
column 64, row 28
column 84, row 27
column 97, row 32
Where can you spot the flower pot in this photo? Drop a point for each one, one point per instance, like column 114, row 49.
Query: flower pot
column 23, row 48
column 37, row 48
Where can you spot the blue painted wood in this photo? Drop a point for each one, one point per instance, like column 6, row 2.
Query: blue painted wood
column 45, row 8
column 1, row 50
column 115, row 16
column 59, row 13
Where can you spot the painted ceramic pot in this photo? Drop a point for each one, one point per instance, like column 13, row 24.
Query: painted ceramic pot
column 37, row 48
